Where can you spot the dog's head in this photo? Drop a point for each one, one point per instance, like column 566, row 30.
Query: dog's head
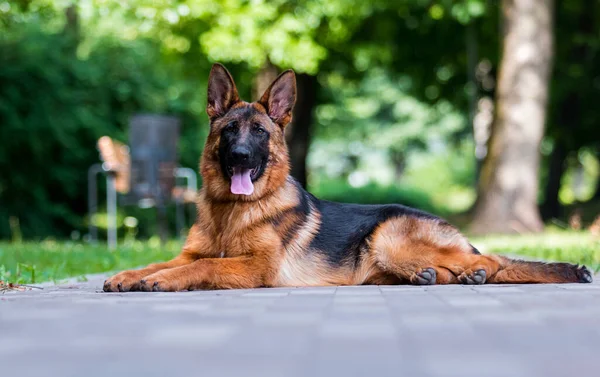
column 245, row 156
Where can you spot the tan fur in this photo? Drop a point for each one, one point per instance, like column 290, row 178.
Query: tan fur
column 297, row 267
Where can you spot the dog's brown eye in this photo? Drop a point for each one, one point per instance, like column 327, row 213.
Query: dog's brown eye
column 258, row 129
column 231, row 126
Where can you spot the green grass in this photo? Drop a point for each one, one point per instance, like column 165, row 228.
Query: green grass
column 560, row 246
column 30, row 262
column 373, row 193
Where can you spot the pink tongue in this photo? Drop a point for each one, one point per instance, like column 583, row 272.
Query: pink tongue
column 241, row 182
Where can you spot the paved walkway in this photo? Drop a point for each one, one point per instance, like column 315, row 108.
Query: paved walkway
column 504, row 331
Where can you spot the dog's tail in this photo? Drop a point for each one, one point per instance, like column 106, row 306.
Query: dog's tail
column 514, row 271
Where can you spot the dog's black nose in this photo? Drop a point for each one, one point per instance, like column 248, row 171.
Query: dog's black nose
column 240, row 154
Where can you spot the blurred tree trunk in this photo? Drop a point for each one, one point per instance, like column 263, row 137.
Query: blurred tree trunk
column 71, row 28
column 597, row 193
column 473, row 94
column 569, row 118
column 298, row 133
column 398, row 157
column 551, row 207
column 267, row 74
column 508, row 185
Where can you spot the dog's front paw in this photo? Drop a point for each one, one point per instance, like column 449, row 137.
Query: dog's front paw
column 123, row 281
column 160, row 282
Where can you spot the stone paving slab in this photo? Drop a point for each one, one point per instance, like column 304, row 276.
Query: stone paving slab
column 483, row 331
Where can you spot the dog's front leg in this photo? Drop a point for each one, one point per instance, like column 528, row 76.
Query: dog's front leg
column 126, row 281
column 129, row 280
column 211, row 273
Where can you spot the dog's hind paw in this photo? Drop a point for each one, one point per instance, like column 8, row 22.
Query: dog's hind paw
column 426, row 276
column 473, row 277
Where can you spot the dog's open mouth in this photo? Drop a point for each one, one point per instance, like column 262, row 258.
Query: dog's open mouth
column 241, row 179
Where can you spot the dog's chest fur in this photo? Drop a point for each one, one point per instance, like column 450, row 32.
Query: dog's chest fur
column 235, row 227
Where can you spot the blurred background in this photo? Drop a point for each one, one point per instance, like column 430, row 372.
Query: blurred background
column 482, row 111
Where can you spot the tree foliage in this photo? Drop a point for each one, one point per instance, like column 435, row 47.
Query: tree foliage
column 53, row 108
column 396, row 82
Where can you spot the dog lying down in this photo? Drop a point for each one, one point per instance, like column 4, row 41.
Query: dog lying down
column 257, row 227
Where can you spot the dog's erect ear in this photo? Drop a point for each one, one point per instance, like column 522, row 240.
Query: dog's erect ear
column 280, row 97
column 222, row 93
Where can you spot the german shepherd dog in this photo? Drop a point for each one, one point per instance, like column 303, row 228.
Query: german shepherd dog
column 257, row 227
